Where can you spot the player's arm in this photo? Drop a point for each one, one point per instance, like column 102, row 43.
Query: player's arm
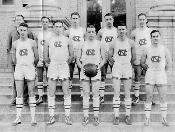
column 9, row 42
column 133, row 51
column 79, row 57
column 46, row 52
column 14, row 53
column 143, row 61
column 99, row 34
column 103, row 56
column 168, row 59
column 111, row 53
column 71, row 53
column 35, row 51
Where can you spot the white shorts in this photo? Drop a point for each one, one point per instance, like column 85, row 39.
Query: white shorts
column 155, row 77
column 24, row 71
column 122, row 71
column 84, row 77
column 58, row 71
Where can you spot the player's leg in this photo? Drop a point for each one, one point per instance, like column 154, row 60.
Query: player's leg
column 71, row 67
column 116, row 99
column 86, row 92
column 149, row 95
column 96, row 101
column 103, row 78
column 25, row 94
column 127, row 86
column 81, row 87
column 40, row 71
column 162, row 90
column 14, row 93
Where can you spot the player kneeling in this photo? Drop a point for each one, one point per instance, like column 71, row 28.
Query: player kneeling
column 25, row 57
column 91, row 58
column 58, row 54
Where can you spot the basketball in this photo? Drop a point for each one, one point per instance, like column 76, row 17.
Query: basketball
column 90, row 70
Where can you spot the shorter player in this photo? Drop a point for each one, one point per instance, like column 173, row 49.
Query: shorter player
column 123, row 52
column 91, row 52
column 58, row 54
column 157, row 61
column 25, row 56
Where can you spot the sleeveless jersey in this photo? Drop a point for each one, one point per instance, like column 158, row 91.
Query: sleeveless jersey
column 58, row 49
column 108, row 35
column 142, row 39
column 156, row 58
column 122, row 51
column 42, row 36
column 24, row 52
column 77, row 37
column 91, row 52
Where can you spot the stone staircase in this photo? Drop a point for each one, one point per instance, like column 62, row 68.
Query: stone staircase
column 8, row 113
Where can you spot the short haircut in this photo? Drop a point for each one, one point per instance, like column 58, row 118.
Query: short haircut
column 57, row 21
column 142, row 14
column 121, row 24
column 91, row 26
column 154, row 31
column 108, row 14
column 45, row 17
column 23, row 25
column 19, row 16
column 75, row 13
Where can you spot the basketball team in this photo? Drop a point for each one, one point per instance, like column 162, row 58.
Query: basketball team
column 59, row 51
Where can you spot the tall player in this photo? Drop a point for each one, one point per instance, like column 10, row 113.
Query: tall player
column 92, row 51
column 106, row 35
column 25, row 56
column 123, row 52
column 141, row 36
column 41, row 38
column 76, row 34
column 59, row 54
column 156, row 59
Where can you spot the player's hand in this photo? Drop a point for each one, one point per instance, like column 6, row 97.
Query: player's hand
column 47, row 60
column 98, row 68
column 111, row 61
column 144, row 66
column 70, row 60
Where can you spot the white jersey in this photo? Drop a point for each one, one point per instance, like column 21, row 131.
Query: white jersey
column 91, row 52
column 108, row 35
column 155, row 58
column 58, row 49
column 122, row 51
column 42, row 37
column 24, row 52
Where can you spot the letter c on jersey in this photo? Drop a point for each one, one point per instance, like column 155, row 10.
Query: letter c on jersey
column 90, row 52
column 57, row 44
column 156, row 59
column 76, row 38
column 122, row 52
column 23, row 52
column 142, row 42
column 108, row 39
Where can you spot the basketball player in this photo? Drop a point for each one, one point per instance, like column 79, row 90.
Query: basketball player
column 76, row 34
column 41, row 38
column 123, row 52
column 106, row 35
column 141, row 36
column 91, row 52
column 13, row 36
column 157, row 61
column 25, row 56
column 59, row 54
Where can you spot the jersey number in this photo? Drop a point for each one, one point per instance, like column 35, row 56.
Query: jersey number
column 122, row 52
column 155, row 59
column 108, row 39
column 57, row 44
column 90, row 52
column 142, row 42
column 76, row 38
column 23, row 52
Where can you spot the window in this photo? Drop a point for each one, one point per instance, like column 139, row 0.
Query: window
column 7, row 2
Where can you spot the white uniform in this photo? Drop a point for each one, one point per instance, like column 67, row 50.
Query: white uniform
column 42, row 36
column 156, row 61
column 143, row 40
column 108, row 35
column 25, row 60
column 122, row 56
column 77, row 37
column 58, row 54
column 91, row 54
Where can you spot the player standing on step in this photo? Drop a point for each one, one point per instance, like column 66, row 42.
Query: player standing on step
column 106, row 35
column 156, row 59
column 76, row 34
column 141, row 36
column 13, row 36
column 58, row 54
column 25, row 56
column 41, row 38
column 123, row 52
column 91, row 52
